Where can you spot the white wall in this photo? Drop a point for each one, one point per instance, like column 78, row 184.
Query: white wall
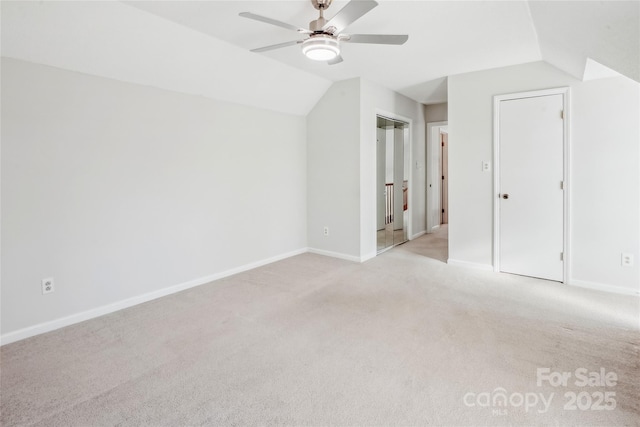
column 605, row 183
column 117, row 190
column 436, row 112
column 333, row 171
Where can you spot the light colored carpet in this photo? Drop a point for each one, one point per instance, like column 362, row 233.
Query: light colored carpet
column 402, row 339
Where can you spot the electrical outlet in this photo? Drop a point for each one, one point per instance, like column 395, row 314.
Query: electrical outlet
column 47, row 286
column 325, row 231
column 486, row 166
column 627, row 260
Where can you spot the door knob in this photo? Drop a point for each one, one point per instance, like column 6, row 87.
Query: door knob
column 505, row 196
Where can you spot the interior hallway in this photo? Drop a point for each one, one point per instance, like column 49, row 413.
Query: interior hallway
column 398, row 340
column 434, row 245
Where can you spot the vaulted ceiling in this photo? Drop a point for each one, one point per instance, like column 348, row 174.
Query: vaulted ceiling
column 202, row 47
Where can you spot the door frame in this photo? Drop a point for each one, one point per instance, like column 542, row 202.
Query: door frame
column 497, row 99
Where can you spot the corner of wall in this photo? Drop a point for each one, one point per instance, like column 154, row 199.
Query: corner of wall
column 333, row 173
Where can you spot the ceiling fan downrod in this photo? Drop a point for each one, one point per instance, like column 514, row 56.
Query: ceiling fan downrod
column 316, row 25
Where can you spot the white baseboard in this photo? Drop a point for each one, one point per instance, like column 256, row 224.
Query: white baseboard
column 120, row 305
column 52, row 325
column 435, row 227
column 335, row 255
column 603, row 287
column 467, row 264
column 369, row 256
column 415, row 236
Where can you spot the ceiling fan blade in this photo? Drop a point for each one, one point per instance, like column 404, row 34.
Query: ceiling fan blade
column 349, row 14
column 376, row 38
column 276, row 46
column 273, row 22
column 338, row 59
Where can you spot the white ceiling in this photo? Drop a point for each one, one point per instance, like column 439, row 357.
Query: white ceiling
column 202, row 47
column 444, row 37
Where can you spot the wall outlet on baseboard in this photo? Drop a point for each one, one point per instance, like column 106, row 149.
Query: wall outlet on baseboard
column 325, row 230
column 627, row 260
column 47, row 286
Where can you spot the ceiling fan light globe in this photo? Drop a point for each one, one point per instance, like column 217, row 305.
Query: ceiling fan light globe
column 321, row 48
column 321, row 54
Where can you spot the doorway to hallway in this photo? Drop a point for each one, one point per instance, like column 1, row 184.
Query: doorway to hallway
column 437, row 200
column 444, row 171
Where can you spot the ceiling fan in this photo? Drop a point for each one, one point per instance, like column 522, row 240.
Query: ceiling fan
column 324, row 37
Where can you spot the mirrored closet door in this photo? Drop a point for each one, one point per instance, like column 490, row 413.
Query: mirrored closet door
column 392, row 182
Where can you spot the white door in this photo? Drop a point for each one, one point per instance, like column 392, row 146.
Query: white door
column 531, row 149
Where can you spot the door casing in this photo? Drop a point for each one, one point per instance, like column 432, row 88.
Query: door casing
column 565, row 92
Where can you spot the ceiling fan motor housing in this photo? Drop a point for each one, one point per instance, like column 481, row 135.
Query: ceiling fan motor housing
column 317, row 24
